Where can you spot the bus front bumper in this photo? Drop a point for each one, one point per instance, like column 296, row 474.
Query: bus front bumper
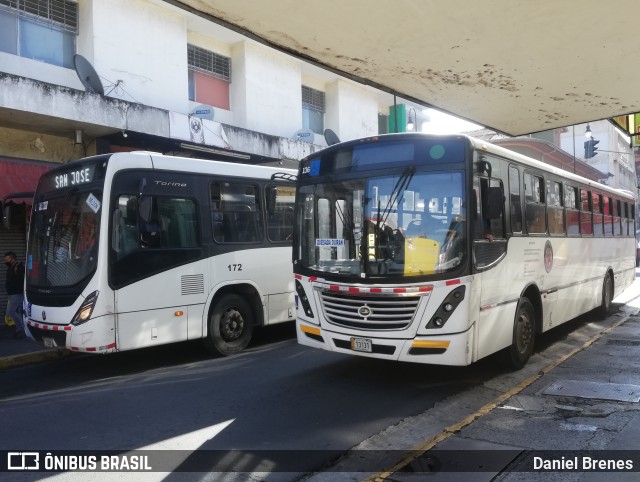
column 450, row 349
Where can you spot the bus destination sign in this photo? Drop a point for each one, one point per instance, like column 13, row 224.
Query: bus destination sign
column 73, row 178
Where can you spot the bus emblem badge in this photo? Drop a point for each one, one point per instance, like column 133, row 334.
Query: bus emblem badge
column 364, row 311
column 548, row 256
column 44, row 315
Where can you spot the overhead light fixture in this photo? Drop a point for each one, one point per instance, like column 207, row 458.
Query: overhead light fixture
column 78, row 136
column 124, row 134
column 210, row 150
column 588, row 132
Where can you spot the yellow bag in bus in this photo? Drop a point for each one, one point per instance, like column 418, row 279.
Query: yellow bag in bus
column 9, row 321
column 420, row 255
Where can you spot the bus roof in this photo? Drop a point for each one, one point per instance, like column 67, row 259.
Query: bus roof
column 503, row 152
column 488, row 147
column 190, row 164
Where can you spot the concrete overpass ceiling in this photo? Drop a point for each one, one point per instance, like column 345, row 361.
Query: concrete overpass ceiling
column 515, row 66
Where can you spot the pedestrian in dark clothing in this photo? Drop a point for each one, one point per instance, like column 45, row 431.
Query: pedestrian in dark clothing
column 14, row 287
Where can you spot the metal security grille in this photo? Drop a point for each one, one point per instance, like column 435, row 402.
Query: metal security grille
column 369, row 312
column 64, row 13
column 209, row 62
column 312, row 99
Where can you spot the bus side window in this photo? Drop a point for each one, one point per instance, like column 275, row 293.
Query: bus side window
column 126, row 217
column 534, row 204
column 280, row 212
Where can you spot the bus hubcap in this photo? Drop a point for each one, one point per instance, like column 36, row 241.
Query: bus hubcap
column 524, row 330
column 232, row 325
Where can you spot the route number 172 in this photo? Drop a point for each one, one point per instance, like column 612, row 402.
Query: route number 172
column 235, row 267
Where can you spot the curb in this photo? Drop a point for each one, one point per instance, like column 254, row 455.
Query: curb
column 34, row 357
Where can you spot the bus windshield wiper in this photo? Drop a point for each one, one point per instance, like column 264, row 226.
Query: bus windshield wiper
column 401, row 185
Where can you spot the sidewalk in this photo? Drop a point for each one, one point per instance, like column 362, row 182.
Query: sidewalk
column 574, row 402
column 14, row 352
column 576, row 398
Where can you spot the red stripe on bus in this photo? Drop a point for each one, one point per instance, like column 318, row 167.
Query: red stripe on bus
column 453, row 282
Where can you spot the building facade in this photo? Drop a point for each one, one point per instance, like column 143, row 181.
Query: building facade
column 85, row 77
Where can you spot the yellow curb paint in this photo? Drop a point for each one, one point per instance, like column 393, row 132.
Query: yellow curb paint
column 34, row 357
column 485, row 409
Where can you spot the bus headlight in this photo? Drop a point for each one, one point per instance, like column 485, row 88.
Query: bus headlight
column 446, row 309
column 304, row 301
column 86, row 308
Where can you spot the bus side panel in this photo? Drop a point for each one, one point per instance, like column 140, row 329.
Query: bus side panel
column 163, row 308
column 498, row 301
column 280, row 307
column 268, row 270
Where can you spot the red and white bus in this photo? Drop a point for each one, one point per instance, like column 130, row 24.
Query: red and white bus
column 446, row 249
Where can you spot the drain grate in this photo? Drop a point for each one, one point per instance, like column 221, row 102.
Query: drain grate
column 603, row 391
column 624, row 342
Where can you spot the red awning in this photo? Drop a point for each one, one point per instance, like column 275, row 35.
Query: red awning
column 19, row 176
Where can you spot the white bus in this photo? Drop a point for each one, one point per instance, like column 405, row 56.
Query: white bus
column 130, row 250
column 446, row 249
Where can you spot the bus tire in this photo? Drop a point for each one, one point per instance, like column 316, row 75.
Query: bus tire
column 607, row 297
column 524, row 335
column 230, row 326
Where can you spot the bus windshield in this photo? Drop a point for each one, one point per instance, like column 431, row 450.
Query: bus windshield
column 402, row 223
column 63, row 247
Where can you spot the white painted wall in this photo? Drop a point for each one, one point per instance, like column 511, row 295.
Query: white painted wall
column 145, row 46
column 269, row 98
column 352, row 110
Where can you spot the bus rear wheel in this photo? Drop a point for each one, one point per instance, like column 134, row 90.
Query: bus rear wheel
column 607, row 297
column 230, row 326
column 524, row 335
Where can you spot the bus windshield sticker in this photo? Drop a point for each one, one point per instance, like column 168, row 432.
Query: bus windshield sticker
column 328, row 242
column 314, row 167
column 93, row 203
column 437, row 151
column 43, row 206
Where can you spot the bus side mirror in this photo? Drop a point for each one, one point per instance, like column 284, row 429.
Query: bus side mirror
column 145, row 205
column 271, row 199
column 117, row 220
column 492, row 207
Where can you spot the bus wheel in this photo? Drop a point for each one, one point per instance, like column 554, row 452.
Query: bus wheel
column 230, row 326
column 607, row 296
column 524, row 335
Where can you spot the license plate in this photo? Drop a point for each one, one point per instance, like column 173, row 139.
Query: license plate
column 49, row 342
column 361, row 344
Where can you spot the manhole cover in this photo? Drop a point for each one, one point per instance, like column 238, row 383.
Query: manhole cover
column 602, row 391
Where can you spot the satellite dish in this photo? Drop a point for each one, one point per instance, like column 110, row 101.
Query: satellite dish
column 203, row 111
column 304, row 135
column 331, row 137
column 87, row 74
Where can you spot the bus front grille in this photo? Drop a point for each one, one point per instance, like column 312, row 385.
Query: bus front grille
column 369, row 312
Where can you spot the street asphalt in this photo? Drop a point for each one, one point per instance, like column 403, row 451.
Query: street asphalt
column 571, row 414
